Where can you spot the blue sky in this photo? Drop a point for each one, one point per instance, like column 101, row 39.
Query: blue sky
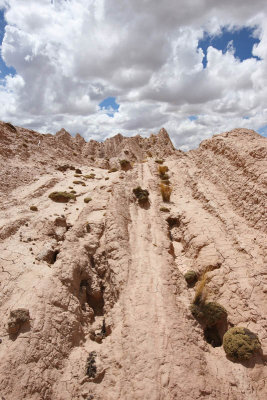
column 96, row 68
column 4, row 70
column 241, row 39
column 110, row 105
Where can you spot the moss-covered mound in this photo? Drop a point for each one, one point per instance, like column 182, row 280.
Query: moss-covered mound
column 191, row 277
column 141, row 195
column 62, row 197
column 208, row 314
column 240, row 343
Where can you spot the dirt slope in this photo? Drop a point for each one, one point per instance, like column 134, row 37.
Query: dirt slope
column 104, row 281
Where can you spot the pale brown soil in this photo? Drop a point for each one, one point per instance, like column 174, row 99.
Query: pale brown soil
column 113, row 259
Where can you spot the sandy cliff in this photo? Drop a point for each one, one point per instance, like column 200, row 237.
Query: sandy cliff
column 103, row 280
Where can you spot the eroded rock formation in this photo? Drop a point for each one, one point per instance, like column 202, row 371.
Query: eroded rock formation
column 103, row 281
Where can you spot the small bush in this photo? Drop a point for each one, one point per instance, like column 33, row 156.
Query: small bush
column 165, row 191
column 191, row 277
column 125, row 165
column 79, row 183
column 78, row 171
column 33, row 208
column 112, row 170
column 62, row 197
column 91, row 176
column 107, row 178
column 149, row 154
column 73, row 191
column 162, row 170
column 159, row 161
column 208, row 314
column 141, row 195
column 164, row 209
column 87, row 199
column 25, row 145
column 240, row 343
column 77, row 175
column 70, row 187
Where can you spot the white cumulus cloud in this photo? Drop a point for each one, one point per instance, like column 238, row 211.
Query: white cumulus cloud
column 71, row 55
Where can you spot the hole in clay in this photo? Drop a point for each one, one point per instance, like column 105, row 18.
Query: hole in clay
column 173, row 222
column 212, row 336
column 54, row 257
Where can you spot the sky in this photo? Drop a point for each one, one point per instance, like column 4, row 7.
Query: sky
column 102, row 67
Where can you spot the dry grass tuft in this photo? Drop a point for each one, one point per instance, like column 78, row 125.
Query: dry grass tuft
column 201, row 291
column 165, row 191
column 162, row 170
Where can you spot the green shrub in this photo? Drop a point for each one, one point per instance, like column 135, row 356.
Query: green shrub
column 77, row 175
column 33, row 208
column 208, row 314
column 159, row 161
column 141, row 195
column 87, row 199
column 107, row 178
column 191, row 277
column 240, row 343
column 112, row 170
column 73, row 191
column 78, row 171
column 62, row 197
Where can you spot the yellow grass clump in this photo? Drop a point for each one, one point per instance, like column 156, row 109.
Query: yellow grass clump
column 165, row 191
column 162, row 170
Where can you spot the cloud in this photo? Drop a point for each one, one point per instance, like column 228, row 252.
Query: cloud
column 71, row 55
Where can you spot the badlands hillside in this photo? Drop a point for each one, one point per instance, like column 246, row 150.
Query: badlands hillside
column 110, row 294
